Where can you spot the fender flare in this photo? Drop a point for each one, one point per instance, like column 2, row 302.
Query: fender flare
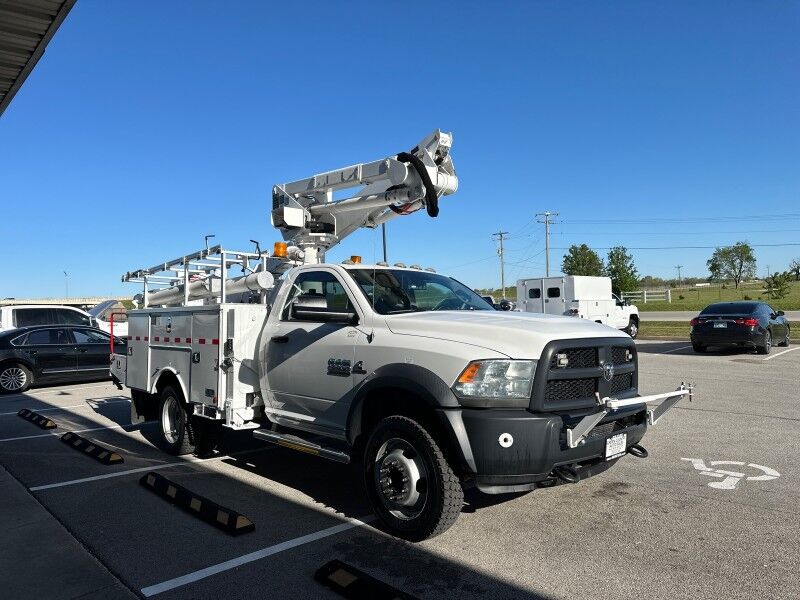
column 160, row 373
column 425, row 385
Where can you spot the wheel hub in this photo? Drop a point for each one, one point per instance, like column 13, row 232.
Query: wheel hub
column 13, row 378
column 170, row 419
column 401, row 479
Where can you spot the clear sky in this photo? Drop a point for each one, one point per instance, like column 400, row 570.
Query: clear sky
column 147, row 125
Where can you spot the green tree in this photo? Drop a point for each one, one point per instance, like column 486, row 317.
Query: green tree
column 737, row 263
column 777, row 285
column 794, row 268
column 621, row 270
column 582, row 260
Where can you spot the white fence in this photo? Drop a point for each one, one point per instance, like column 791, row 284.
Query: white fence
column 645, row 296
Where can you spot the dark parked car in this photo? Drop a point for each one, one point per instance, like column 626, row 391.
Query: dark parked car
column 53, row 354
column 749, row 324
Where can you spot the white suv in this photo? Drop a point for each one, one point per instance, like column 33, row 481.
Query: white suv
column 23, row 315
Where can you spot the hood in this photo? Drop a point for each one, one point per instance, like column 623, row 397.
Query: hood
column 515, row 334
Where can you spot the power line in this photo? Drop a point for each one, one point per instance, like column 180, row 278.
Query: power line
column 546, row 216
column 673, row 233
column 690, row 247
column 500, row 236
column 736, row 218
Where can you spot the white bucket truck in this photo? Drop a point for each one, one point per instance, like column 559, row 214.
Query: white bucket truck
column 405, row 372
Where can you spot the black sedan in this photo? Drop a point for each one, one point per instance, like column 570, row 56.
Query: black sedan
column 53, row 354
column 748, row 324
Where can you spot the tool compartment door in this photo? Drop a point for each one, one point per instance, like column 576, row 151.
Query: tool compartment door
column 138, row 361
column 205, row 357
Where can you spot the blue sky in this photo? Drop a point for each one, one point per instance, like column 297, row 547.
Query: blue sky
column 148, row 125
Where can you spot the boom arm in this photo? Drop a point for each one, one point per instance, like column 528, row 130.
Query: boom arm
column 309, row 218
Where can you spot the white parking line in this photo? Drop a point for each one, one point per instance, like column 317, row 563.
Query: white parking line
column 50, row 486
column 60, row 433
column 190, row 460
column 86, row 404
column 177, row 582
column 675, row 349
column 784, row 352
column 57, row 390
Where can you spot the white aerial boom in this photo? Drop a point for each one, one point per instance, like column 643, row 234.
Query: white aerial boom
column 311, row 222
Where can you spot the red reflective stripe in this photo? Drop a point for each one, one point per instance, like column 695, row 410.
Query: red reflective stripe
column 130, row 337
column 201, row 340
column 166, row 339
column 188, row 340
column 155, row 339
column 138, row 338
column 146, row 338
column 215, row 342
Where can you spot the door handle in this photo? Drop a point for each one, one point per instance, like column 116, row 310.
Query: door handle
column 279, row 339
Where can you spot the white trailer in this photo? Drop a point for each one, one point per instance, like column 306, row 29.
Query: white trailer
column 579, row 296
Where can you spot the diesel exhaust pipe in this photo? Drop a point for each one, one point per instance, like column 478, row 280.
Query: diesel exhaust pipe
column 567, row 474
column 638, row 451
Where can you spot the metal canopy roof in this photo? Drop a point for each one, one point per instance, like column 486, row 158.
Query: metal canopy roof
column 26, row 27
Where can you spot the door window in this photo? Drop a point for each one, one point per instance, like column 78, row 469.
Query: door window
column 320, row 284
column 534, row 293
column 553, row 292
column 44, row 337
column 90, row 336
column 24, row 317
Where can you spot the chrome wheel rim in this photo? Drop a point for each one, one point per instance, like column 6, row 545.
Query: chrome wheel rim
column 171, row 419
column 634, row 330
column 401, row 479
column 13, row 379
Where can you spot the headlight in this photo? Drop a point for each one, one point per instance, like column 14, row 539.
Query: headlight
column 496, row 380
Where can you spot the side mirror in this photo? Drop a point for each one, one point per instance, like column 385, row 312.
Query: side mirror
column 315, row 308
column 780, row 313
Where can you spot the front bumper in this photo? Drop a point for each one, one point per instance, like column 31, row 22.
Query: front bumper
column 513, row 450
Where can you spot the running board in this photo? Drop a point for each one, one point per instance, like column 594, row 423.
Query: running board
column 296, row 443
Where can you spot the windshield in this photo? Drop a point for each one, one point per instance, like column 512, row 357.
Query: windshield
column 99, row 308
column 398, row 291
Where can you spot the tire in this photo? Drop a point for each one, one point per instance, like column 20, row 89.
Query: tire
column 175, row 425
column 698, row 347
column 15, row 378
column 786, row 340
column 765, row 349
column 400, row 449
column 633, row 328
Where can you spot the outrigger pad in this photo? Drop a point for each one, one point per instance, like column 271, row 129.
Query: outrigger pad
column 220, row 517
column 103, row 455
column 354, row 584
column 37, row 419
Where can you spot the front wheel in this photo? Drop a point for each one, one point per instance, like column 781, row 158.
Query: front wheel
column 767, row 345
column 15, row 378
column 177, row 436
column 633, row 328
column 409, row 482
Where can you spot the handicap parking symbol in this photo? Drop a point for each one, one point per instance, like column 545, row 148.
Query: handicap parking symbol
column 728, row 478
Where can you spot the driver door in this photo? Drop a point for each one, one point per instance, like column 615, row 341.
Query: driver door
column 310, row 365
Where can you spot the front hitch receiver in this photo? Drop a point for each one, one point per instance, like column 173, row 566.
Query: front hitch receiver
column 577, row 435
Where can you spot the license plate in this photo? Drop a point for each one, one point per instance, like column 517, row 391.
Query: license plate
column 720, row 325
column 616, row 445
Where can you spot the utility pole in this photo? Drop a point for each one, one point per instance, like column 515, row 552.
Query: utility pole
column 500, row 236
column 545, row 218
column 679, row 267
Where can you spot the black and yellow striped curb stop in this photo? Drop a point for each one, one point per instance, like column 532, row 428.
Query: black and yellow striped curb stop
column 37, row 419
column 223, row 518
column 103, row 455
column 354, row 584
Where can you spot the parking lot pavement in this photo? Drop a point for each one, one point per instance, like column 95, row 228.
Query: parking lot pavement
column 711, row 513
